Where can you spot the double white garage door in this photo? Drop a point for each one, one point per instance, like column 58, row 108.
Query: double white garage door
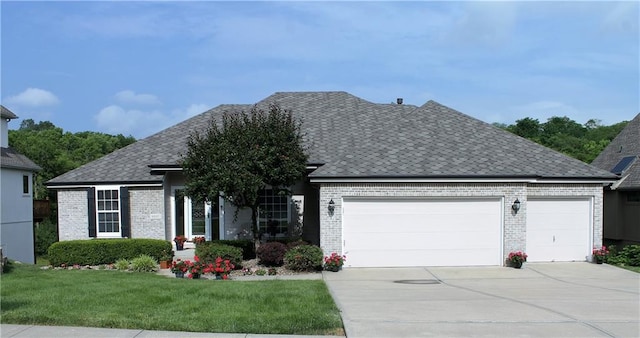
column 395, row 232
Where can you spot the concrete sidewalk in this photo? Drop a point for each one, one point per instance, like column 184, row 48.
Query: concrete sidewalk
column 30, row 331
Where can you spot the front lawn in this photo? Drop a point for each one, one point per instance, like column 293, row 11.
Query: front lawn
column 147, row 301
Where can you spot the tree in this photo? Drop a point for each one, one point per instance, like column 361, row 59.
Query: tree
column 57, row 151
column 583, row 142
column 527, row 128
column 249, row 152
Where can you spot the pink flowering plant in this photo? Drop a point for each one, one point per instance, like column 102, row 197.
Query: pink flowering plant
column 600, row 253
column 334, row 262
column 517, row 257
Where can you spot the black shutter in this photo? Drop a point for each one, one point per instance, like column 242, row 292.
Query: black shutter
column 91, row 198
column 125, row 227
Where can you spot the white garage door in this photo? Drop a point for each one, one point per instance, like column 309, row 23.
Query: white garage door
column 422, row 232
column 558, row 229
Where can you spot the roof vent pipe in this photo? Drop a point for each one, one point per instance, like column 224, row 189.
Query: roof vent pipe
column 399, row 100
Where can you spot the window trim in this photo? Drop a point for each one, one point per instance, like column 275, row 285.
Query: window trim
column 114, row 234
column 262, row 229
column 26, row 179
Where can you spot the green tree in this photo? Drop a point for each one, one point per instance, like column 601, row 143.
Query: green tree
column 565, row 135
column 57, row 151
column 247, row 153
column 527, row 128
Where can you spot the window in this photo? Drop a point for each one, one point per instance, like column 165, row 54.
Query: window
column 25, row 184
column 633, row 196
column 273, row 216
column 108, row 212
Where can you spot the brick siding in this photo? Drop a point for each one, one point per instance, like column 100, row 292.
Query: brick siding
column 514, row 230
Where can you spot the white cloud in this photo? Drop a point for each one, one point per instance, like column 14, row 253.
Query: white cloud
column 115, row 119
column 623, row 17
column 34, row 97
column 192, row 110
column 130, row 97
column 544, row 109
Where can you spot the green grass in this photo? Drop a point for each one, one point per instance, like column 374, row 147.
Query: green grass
column 631, row 268
column 117, row 299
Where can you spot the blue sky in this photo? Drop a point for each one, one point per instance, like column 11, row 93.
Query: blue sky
column 138, row 67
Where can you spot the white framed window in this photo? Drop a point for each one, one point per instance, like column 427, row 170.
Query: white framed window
column 274, row 213
column 108, row 211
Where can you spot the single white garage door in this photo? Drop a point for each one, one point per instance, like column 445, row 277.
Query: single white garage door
column 558, row 229
column 393, row 232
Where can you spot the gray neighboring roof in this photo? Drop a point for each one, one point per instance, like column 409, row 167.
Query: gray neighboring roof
column 627, row 143
column 10, row 158
column 6, row 113
column 355, row 138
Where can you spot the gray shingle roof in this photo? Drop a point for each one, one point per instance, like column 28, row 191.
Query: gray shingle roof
column 6, row 113
column 356, row 138
column 10, row 158
column 627, row 143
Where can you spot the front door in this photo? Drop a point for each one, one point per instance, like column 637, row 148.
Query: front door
column 193, row 218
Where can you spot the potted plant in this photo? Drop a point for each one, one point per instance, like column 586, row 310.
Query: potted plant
column 180, row 267
column 166, row 260
column 599, row 255
column 179, row 240
column 334, row 262
column 199, row 240
column 197, row 268
column 516, row 259
column 222, row 268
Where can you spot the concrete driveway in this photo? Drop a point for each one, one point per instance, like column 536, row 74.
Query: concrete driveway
column 539, row 300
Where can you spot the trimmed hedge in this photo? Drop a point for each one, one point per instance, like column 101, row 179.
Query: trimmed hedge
column 105, row 251
column 247, row 246
column 304, row 258
column 209, row 251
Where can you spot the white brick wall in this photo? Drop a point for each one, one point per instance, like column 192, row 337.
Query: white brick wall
column 73, row 214
column 594, row 191
column 514, row 231
column 147, row 212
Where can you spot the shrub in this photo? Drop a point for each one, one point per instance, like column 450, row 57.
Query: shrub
column 304, row 258
column 247, row 246
column 629, row 255
column 105, row 251
column 271, row 253
column 144, row 263
column 122, row 264
column 296, row 243
column 46, row 234
column 209, row 251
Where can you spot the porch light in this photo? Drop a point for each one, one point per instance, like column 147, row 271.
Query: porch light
column 331, row 207
column 516, row 206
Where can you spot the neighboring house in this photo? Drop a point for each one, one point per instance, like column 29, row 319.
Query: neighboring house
column 387, row 185
column 622, row 199
column 16, row 221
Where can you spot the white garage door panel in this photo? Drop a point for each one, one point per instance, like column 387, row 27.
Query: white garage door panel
column 417, row 258
column 558, row 229
column 422, row 232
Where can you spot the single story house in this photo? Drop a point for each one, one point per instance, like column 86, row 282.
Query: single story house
column 16, row 178
column 622, row 199
column 388, row 185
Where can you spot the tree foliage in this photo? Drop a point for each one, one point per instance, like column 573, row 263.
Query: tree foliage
column 247, row 153
column 583, row 142
column 57, row 151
